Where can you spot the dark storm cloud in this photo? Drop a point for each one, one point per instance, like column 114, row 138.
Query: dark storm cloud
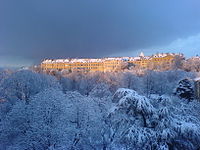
column 36, row 29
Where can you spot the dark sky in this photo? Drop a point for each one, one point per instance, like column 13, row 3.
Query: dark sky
column 31, row 30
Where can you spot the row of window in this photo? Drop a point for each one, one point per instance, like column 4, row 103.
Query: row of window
column 99, row 65
column 86, row 68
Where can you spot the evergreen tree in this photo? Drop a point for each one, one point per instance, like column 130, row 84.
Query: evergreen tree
column 185, row 89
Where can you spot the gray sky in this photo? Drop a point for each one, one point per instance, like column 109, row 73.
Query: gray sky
column 31, row 30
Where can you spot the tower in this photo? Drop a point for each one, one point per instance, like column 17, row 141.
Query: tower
column 141, row 54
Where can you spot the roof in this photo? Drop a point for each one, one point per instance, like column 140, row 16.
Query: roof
column 77, row 60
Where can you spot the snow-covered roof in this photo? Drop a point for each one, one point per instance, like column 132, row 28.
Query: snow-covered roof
column 160, row 55
column 55, row 61
column 47, row 61
column 134, row 58
column 77, row 60
column 115, row 58
column 85, row 60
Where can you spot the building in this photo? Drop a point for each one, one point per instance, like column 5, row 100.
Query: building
column 108, row 64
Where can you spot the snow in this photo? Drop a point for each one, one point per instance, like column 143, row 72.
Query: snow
column 160, row 55
column 113, row 109
column 154, row 96
column 134, row 58
column 186, row 127
column 121, row 92
column 85, row 60
column 45, row 116
column 77, row 60
column 197, row 79
column 130, row 98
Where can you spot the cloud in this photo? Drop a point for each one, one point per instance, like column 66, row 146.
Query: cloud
column 40, row 29
column 190, row 45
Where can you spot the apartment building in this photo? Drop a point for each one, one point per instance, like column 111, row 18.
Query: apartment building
column 108, row 64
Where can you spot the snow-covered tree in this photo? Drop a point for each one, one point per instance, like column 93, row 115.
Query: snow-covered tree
column 84, row 114
column 159, row 123
column 85, row 122
column 23, row 84
column 67, row 84
column 101, row 90
column 185, row 89
column 41, row 124
column 130, row 112
column 192, row 64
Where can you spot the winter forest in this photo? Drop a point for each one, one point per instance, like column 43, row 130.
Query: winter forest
column 131, row 109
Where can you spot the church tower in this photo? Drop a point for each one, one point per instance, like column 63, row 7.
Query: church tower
column 141, row 54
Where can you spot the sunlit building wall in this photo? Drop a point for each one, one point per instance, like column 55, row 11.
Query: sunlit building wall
column 108, row 64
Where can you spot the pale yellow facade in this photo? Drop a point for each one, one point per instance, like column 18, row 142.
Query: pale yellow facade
column 106, row 64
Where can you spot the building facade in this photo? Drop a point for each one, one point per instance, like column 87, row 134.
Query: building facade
column 108, row 64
